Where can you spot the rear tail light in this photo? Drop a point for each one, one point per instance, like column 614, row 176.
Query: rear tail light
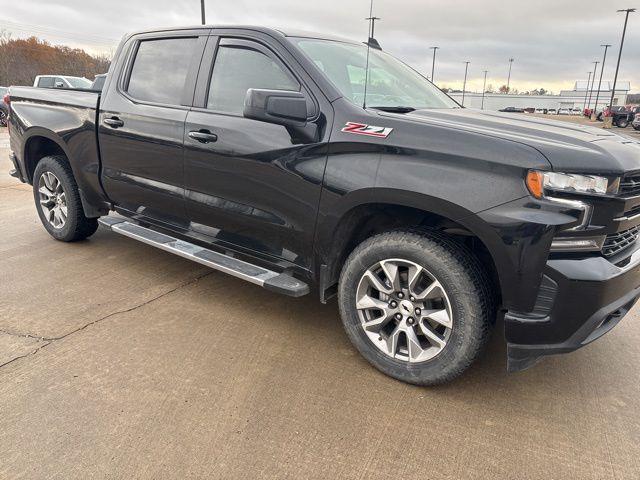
column 6, row 99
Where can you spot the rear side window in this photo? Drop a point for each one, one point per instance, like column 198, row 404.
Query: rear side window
column 45, row 82
column 239, row 68
column 160, row 70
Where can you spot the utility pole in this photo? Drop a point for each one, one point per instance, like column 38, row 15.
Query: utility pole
column 433, row 65
column 593, row 81
column 202, row 12
column 509, row 78
column 594, row 115
column 586, row 93
column 484, row 88
column 464, row 85
column 624, row 32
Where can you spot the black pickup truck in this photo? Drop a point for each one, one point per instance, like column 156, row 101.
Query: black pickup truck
column 304, row 163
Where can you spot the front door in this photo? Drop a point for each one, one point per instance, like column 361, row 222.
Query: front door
column 142, row 126
column 247, row 183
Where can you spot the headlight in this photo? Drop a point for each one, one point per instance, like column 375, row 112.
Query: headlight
column 538, row 182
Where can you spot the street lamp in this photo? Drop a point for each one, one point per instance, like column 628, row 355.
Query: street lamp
column 586, row 92
column 509, row 77
column 624, row 32
column 484, row 88
column 594, row 115
column 593, row 81
column 464, row 85
column 433, row 65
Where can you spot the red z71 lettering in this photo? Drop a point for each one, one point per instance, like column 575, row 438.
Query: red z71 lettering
column 369, row 130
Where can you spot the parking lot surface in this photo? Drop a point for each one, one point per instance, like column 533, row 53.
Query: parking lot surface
column 118, row 360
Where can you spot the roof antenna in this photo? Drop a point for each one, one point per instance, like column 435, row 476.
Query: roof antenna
column 371, row 39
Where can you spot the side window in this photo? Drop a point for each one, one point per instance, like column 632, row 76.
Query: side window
column 160, row 70
column 45, row 82
column 239, row 68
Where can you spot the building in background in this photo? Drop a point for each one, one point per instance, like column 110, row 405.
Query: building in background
column 566, row 99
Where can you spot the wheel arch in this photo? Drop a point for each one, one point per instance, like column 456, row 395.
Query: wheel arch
column 392, row 210
column 40, row 143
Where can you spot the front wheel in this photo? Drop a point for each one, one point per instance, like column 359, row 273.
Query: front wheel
column 58, row 201
column 623, row 123
column 418, row 306
column 637, row 127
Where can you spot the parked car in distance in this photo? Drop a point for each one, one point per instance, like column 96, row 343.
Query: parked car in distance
column 622, row 116
column 542, row 111
column 552, row 111
column 564, row 111
column 512, row 110
column 530, row 110
column 576, row 111
column 61, row 81
column 4, row 108
column 636, row 122
column 98, row 82
column 259, row 157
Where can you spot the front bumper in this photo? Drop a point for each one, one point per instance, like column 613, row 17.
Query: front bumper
column 579, row 301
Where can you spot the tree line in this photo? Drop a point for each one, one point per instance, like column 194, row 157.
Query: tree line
column 22, row 59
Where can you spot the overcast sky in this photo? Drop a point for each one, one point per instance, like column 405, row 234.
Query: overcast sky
column 552, row 41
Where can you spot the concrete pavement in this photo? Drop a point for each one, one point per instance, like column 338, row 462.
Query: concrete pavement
column 118, row 360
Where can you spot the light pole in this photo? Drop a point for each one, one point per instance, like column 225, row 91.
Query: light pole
column 484, row 88
column 624, row 32
column 202, row 12
column 433, row 65
column 464, row 85
column 594, row 116
column 586, row 93
column 593, row 81
column 509, row 77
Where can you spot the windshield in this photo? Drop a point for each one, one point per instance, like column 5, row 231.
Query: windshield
column 76, row 82
column 391, row 83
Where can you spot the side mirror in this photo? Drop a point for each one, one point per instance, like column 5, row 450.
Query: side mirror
column 281, row 107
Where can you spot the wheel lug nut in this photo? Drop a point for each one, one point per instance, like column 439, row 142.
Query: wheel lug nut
column 418, row 311
column 400, row 295
column 412, row 299
column 398, row 316
column 410, row 321
column 393, row 304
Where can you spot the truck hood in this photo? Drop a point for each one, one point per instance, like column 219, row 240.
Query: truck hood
column 567, row 146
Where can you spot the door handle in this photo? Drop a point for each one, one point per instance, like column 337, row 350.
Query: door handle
column 203, row 136
column 113, row 122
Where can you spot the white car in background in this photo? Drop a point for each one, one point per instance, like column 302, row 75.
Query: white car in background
column 564, row 111
column 61, row 81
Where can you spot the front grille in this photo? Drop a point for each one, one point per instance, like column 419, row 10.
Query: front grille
column 616, row 242
column 630, row 186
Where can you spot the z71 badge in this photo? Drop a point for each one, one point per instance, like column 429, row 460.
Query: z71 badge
column 369, row 130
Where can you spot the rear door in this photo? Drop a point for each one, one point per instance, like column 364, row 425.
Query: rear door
column 141, row 124
column 251, row 185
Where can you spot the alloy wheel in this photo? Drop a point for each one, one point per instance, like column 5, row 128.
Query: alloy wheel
column 53, row 199
column 404, row 310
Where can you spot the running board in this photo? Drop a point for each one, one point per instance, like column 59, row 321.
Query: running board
column 276, row 282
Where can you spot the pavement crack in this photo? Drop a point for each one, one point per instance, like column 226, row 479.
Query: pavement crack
column 49, row 340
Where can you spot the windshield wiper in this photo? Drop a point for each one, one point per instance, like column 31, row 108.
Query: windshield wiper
column 398, row 109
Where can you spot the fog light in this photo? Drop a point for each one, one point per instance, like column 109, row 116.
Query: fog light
column 577, row 244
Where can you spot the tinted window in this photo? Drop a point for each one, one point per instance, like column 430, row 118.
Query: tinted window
column 160, row 70
column 46, row 82
column 237, row 69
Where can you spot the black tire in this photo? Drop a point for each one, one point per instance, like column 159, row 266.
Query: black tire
column 462, row 276
column 636, row 128
column 76, row 226
column 623, row 123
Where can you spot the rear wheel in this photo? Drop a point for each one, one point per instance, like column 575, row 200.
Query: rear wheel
column 622, row 123
column 58, row 201
column 418, row 306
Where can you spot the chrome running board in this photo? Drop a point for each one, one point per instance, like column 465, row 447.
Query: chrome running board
column 276, row 282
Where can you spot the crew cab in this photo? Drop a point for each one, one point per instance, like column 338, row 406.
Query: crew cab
column 307, row 164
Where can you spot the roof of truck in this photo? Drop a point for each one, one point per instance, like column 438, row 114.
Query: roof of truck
column 267, row 30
